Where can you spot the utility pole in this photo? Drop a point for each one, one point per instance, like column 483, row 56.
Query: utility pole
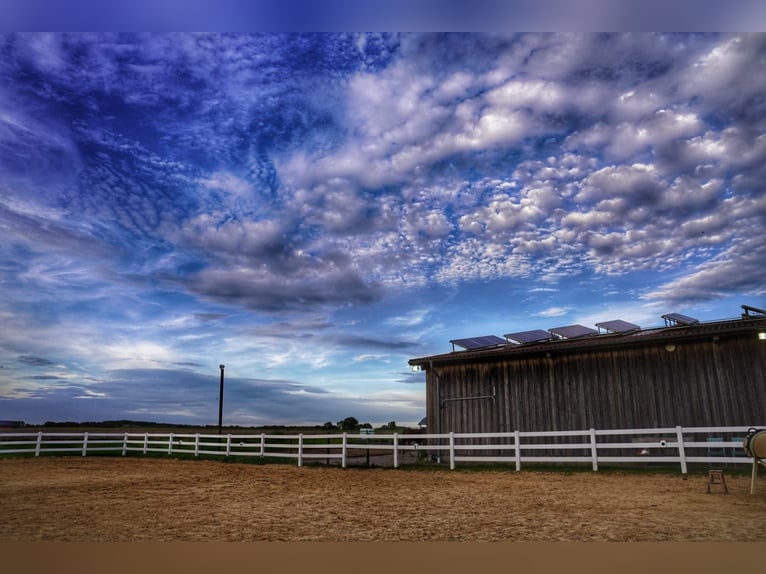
column 220, row 403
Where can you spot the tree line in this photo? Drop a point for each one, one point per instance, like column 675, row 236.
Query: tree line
column 345, row 425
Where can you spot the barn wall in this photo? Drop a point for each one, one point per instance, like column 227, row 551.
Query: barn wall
column 700, row 383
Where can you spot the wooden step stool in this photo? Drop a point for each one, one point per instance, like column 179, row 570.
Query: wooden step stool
column 715, row 477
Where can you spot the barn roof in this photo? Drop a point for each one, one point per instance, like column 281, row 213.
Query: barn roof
column 748, row 324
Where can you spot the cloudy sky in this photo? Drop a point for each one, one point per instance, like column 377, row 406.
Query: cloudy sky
column 314, row 210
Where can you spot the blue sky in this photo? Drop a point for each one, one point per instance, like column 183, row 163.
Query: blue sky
column 314, row 210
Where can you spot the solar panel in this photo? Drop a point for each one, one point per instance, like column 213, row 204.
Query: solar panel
column 478, row 342
column 756, row 312
column 617, row 326
column 672, row 319
column 572, row 331
column 534, row 336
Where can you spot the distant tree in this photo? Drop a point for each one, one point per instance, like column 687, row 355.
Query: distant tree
column 391, row 425
column 365, row 426
column 349, row 423
column 329, row 426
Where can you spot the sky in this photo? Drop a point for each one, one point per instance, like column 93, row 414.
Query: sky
column 314, row 210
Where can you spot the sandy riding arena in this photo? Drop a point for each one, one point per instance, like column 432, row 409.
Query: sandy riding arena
column 133, row 499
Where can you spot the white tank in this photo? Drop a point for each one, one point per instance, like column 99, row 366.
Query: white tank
column 755, row 443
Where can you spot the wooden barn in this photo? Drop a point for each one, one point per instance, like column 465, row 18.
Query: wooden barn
column 617, row 376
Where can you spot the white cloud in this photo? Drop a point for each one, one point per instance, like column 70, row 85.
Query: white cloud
column 414, row 318
column 553, row 312
column 215, row 233
column 637, row 181
column 370, row 357
column 228, row 183
column 636, row 104
column 720, row 67
column 736, row 269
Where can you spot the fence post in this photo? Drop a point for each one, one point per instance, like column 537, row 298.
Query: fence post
column 84, row 443
column 300, row 449
column 681, row 451
column 170, row 444
column 196, row 444
column 593, row 449
column 517, row 448
column 39, row 443
column 754, row 475
column 452, row 450
column 263, row 445
column 124, row 443
column 146, row 442
column 228, row 444
column 343, row 451
column 396, row 450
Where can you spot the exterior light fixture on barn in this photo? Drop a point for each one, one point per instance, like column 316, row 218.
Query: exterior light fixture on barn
column 575, row 379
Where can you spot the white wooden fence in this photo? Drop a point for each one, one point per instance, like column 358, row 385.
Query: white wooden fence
column 662, row 446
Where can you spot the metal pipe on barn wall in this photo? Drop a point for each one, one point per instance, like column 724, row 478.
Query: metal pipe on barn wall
column 438, row 408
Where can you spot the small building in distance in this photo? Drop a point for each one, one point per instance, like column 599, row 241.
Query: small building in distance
column 614, row 376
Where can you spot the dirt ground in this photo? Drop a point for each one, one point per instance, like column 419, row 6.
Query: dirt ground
column 132, row 499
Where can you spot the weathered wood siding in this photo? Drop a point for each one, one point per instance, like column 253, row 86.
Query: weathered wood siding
column 701, row 383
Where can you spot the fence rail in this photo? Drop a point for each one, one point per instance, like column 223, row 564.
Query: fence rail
column 668, row 446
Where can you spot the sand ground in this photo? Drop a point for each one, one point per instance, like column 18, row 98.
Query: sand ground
column 103, row 499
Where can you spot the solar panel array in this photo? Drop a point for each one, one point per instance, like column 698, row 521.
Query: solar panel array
column 572, row 331
column 750, row 311
column 534, row 336
column 478, row 342
column 617, row 326
column 678, row 319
